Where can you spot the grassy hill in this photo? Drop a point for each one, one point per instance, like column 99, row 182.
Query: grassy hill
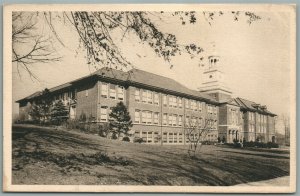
column 49, row 156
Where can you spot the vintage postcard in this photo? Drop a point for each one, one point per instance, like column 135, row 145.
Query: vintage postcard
column 183, row 98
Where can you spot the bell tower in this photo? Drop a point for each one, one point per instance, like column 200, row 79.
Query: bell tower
column 214, row 82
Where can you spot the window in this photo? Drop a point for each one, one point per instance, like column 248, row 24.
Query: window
column 155, row 138
column 144, row 96
column 174, row 120
column 187, row 104
column 149, row 137
column 149, row 117
column 86, row 94
column 215, row 110
column 137, row 134
column 155, row 118
column 193, row 105
column 180, row 102
column 172, row 101
column 144, row 136
column 165, row 100
column 112, row 91
column 103, row 113
column 201, row 122
column 208, row 109
column 199, row 106
column 149, row 97
column 144, row 117
column 170, row 119
column 137, row 118
column 175, row 137
column 120, row 92
column 194, row 121
column 164, row 119
column 180, row 120
column 137, row 94
column 104, row 90
column 180, row 137
column 170, row 137
column 165, row 137
column 175, row 102
column 187, row 120
column 156, row 99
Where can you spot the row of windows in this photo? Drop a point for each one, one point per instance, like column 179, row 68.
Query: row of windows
column 146, row 96
column 154, row 137
column 260, row 118
column 146, row 117
column 251, row 116
column 150, row 97
column 235, row 115
column 65, row 96
column 104, row 113
column 261, row 129
column 149, row 117
column 112, row 91
column 251, row 127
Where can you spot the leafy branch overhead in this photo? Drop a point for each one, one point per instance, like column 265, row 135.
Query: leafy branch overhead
column 96, row 30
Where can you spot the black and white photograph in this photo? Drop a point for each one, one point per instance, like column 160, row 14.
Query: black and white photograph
column 150, row 98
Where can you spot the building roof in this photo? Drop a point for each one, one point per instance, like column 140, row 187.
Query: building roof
column 135, row 76
column 33, row 95
column 150, row 80
column 252, row 106
column 154, row 80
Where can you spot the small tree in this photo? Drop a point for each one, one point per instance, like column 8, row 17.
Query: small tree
column 35, row 113
column 59, row 113
column 120, row 121
column 196, row 132
column 41, row 108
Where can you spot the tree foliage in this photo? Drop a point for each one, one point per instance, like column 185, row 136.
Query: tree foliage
column 41, row 108
column 120, row 120
column 59, row 113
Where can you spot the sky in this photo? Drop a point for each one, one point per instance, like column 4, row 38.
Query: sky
column 255, row 58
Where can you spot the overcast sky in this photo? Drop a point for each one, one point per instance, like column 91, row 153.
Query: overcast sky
column 255, row 58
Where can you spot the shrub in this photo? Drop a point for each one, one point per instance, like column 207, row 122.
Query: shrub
column 103, row 130
column 237, row 145
column 138, row 140
column 272, row 145
column 126, row 139
column 249, row 144
column 260, row 144
column 114, row 136
column 72, row 124
column 208, row 142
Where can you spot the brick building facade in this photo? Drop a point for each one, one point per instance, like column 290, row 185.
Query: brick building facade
column 162, row 108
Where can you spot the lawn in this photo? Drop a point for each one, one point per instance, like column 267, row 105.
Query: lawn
column 50, row 156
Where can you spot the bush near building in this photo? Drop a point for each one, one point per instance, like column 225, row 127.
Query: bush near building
column 252, row 144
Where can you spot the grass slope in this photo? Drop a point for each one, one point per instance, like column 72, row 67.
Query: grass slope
column 49, row 156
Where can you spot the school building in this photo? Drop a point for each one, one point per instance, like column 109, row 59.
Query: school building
column 161, row 108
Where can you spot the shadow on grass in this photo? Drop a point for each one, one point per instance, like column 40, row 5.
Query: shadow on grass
column 256, row 154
